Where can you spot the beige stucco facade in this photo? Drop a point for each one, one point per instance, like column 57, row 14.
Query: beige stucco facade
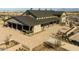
column 63, row 18
column 1, row 22
column 37, row 28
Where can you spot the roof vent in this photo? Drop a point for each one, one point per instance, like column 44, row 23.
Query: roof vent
column 31, row 8
column 51, row 9
column 45, row 9
column 39, row 9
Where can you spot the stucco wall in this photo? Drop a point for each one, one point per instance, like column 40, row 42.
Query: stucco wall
column 63, row 18
column 37, row 28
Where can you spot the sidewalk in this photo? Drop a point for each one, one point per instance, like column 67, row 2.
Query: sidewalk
column 70, row 47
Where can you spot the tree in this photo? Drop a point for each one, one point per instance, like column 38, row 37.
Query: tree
column 7, row 40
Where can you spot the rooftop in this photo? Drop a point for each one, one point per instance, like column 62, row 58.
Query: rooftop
column 39, row 13
column 31, row 21
column 43, row 13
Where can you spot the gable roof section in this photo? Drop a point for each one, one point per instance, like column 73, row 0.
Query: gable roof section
column 25, row 20
column 57, row 13
column 31, row 21
column 14, row 21
column 39, row 13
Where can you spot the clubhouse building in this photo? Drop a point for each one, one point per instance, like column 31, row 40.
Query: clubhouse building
column 33, row 21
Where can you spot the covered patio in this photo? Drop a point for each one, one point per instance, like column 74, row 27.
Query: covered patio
column 18, row 26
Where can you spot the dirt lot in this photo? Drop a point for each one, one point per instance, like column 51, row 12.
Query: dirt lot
column 29, row 41
column 45, row 48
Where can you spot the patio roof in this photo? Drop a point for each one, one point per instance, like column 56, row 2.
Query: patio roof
column 31, row 21
column 14, row 21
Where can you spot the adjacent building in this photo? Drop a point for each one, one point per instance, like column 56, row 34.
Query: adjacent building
column 70, row 18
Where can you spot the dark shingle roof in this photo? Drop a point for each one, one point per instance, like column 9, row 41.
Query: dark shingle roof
column 39, row 13
column 26, row 20
column 57, row 13
column 30, row 21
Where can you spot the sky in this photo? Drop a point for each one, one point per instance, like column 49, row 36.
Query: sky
column 24, row 9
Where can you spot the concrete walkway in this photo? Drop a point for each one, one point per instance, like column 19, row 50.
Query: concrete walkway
column 70, row 47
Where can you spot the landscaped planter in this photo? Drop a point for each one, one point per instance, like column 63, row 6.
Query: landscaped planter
column 10, row 44
column 23, row 48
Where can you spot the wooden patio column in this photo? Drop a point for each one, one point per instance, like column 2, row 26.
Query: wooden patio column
column 7, row 24
column 16, row 26
column 29, row 28
column 11, row 25
column 22, row 27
